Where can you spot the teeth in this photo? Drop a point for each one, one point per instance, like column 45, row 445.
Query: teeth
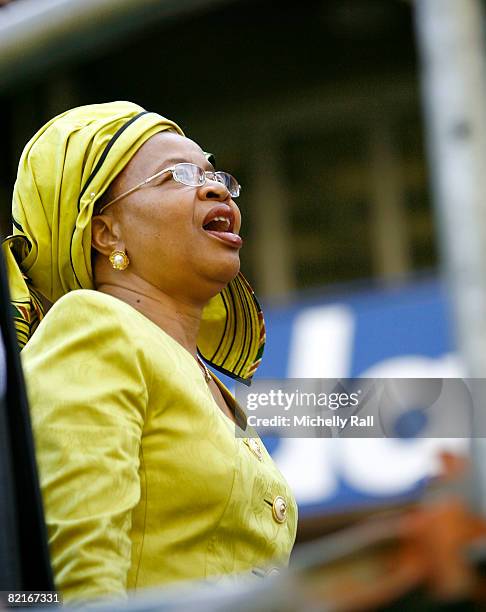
column 225, row 219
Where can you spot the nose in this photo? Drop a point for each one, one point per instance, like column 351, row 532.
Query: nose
column 214, row 190
column 217, row 192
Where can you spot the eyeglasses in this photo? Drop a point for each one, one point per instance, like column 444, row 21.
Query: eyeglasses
column 190, row 175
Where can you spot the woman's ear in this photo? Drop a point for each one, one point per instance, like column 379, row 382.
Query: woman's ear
column 105, row 234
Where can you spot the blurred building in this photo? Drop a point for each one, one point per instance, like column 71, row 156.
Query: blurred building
column 314, row 106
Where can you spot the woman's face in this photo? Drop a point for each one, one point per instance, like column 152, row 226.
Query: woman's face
column 162, row 225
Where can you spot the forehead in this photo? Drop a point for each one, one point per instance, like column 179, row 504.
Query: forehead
column 161, row 150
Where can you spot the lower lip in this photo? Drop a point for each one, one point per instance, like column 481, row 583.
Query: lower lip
column 232, row 239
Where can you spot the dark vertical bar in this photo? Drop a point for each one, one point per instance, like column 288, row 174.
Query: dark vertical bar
column 25, row 563
column 10, row 574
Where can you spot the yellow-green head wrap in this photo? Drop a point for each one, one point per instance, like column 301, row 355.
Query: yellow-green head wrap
column 63, row 170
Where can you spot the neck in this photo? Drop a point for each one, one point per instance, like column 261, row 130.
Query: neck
column 177, row 317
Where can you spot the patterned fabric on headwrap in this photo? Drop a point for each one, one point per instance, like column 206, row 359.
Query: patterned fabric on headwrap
column 63, row 170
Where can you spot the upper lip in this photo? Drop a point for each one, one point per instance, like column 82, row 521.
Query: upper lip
column 222, row 210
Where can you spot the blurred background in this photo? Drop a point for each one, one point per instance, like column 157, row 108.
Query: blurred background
column 316, row 108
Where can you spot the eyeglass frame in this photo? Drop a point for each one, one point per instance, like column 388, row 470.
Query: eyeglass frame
column 160, row 173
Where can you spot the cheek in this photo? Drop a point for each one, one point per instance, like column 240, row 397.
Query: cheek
column 157, row 231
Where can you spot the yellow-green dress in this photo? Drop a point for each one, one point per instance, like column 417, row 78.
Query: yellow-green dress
column 143, row 478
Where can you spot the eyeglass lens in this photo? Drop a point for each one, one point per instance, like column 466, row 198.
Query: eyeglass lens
column 189, row 174
column 194, row 176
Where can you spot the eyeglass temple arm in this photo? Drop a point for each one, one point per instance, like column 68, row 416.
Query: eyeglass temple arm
column 132, row 189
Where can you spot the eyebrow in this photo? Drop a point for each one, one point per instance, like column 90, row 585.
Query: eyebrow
column 177, row 160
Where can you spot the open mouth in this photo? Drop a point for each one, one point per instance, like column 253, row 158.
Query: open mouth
column 219, row 219
column 220, row 222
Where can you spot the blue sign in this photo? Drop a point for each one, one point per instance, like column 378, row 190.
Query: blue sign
column 404, row 331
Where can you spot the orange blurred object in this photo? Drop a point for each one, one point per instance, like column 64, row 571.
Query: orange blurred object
column 426, row 548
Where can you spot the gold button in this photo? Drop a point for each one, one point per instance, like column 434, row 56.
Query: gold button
column 279, row 509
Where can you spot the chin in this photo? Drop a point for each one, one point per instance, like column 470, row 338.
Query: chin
column 223, row 272
column 229, row 272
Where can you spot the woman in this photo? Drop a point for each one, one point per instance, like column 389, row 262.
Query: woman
column 121, row 222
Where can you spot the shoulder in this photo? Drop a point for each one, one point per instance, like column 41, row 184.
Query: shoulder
column 89, row 321
column 86, row 337
column 91, row 310
column 83, row 318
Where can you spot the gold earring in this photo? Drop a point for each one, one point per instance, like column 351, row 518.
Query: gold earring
column 119, row 260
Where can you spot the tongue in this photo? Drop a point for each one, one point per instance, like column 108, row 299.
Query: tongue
column 218, row 229
column 229, row 237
